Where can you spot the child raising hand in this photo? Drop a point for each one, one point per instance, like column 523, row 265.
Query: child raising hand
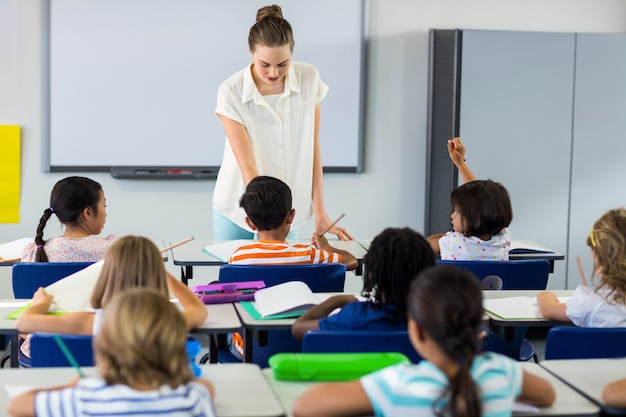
column 481, row 216
column 604, row 306
column 142, row 362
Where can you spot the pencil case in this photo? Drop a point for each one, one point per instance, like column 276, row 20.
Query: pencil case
column 227, row 292
column 330, row 366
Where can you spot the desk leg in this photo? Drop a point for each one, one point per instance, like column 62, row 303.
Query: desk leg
column 186, row 273
column 551, row 265
column 14, row 352
column 213, row 347
column 248, row 342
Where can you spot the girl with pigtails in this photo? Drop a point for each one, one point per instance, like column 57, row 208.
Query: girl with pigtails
column 80, row 206
column 453, row 379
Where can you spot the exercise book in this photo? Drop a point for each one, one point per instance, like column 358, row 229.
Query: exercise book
column 515, row 308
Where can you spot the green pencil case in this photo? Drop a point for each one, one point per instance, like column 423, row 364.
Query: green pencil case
column 330, row 366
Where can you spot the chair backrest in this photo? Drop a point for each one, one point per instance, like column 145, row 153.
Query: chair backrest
column 27, row 277
column 569, row 342
column 529, row 274
column 359, row 341
column 46, row 353
column 319, row 277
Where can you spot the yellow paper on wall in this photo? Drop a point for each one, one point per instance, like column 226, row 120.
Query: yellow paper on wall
column 9, row 174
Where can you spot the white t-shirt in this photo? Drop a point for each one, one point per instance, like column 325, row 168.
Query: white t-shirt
column 282, row 138
column 457, row 247
column 588, row 308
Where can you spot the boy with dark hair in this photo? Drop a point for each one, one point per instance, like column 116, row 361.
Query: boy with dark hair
column 267, row 203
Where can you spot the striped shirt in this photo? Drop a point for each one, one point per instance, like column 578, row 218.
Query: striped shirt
column 275, row 252
column 410, row 390
column 93, row 397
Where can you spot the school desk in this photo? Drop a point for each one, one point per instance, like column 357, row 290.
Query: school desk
column 222, row 319
column 504, row 326
column 190, row 254
column 240, row 389
column 259, row 328
column 589, row 376
column 544, row 253
column 568, row 402
column 7, row 326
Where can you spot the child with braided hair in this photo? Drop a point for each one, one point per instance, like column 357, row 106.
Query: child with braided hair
column 454, row 379
column 79, row 204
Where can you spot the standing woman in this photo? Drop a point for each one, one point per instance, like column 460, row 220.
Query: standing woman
column 271, row 116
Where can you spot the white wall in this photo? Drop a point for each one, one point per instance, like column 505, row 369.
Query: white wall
column 389, row 193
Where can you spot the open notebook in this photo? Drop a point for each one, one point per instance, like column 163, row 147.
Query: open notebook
column 515, row 308
column 224, row 250
column 289, row 299
column 12, row 251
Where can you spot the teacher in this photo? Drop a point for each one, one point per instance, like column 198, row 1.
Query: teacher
column 270, row 111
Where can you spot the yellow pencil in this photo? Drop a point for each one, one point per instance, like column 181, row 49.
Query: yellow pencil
column 182, row 242
column 334, row 223
column 580, row 270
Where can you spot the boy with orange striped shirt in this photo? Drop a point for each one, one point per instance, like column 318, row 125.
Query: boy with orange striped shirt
column 268, row 206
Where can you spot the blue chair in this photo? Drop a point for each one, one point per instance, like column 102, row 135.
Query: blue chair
column 46, row 353
column 569, row 342
column 319, row 277
column 27, row 277
column 358, row 341
column 518, row 348
column 508, row 275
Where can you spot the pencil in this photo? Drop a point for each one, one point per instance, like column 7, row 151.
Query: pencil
column 68, row 355
column 580, row 270
column 334, row 223
column 182, row 242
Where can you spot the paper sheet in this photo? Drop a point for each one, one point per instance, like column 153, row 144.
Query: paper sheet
column 10, row 174
column 12, row 251
column 223, row 251
column 73, row 293
column 515, row 308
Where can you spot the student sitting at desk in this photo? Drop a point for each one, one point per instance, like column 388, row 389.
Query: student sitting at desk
column 394, row 258
column 605, row 305
column 144, row 369
column 132, row 261
column 481, row 216
column 267, row 203
column 79, row 204
column 454, row 379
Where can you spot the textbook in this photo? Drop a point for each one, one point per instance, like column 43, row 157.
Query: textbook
column 515, row 308
column 289, row 299
column 522, row 246
column 12, row 251
column 224, row 250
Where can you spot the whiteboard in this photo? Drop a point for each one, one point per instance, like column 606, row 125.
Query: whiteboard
column 133, row 83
